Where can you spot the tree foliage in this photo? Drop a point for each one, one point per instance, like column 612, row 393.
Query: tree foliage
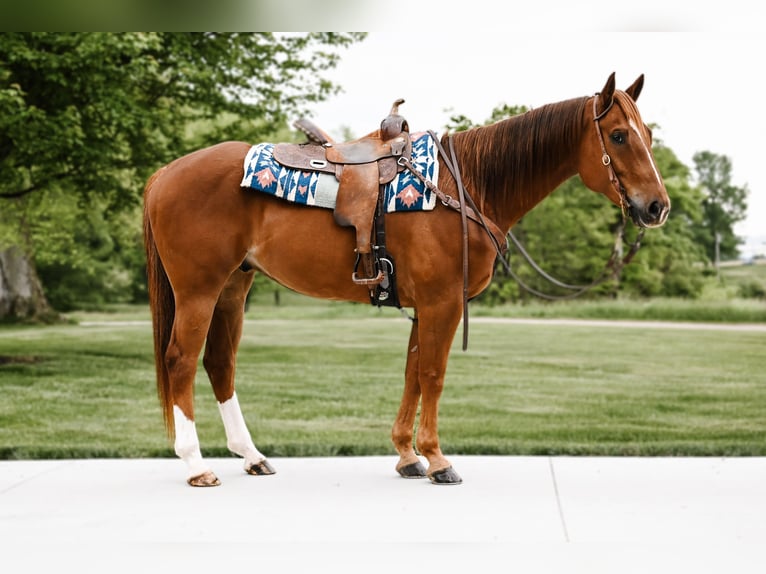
column 102, row 110
column 85, row 118
column 723, row 205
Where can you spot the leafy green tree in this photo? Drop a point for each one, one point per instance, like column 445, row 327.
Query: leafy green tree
column 723, row 205
column 668, row 262
column 85, row 118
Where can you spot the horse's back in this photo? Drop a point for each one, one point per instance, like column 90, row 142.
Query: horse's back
column 220, row 162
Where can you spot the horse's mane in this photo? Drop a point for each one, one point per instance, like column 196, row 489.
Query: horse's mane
column 502, row 160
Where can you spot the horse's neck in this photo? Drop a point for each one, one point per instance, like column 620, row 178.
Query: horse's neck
column 509, row 177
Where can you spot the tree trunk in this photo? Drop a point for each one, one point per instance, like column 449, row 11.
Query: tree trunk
column 21, row 294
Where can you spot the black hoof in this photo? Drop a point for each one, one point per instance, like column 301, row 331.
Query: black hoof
column 414, row 470
column 445, row 476
column 262, row 468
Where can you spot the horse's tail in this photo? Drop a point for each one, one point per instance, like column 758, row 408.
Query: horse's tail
column 163, row 308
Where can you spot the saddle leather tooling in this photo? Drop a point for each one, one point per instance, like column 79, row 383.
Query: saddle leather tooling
column 362, row 168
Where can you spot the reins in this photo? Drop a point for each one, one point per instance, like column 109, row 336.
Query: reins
column 614, row 263
column 468, row 210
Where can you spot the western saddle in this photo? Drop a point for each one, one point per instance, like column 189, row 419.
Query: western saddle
column 362, row 168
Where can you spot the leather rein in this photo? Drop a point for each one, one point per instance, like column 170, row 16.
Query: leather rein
column 468, row 210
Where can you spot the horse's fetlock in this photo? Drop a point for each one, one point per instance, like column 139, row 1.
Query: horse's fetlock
column 237, row 447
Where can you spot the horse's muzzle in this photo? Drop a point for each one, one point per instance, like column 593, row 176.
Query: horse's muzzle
column 652, row 215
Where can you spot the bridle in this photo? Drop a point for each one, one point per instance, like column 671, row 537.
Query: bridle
column 468, row 210
column 615, row 264
column 606, row 160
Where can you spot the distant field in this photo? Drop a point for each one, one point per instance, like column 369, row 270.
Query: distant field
column 327, row 381
column 736, row 271
column 720, row 303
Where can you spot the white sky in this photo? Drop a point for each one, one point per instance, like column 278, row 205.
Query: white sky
column 702, row 89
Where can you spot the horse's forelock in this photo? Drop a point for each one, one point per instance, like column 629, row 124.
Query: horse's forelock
column 628, row 106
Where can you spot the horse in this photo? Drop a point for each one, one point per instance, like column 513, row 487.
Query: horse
column 206, row 237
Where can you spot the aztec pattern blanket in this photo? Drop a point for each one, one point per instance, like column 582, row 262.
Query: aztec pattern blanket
column 404, row 193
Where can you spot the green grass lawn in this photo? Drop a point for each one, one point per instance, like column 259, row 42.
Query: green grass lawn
column 327, row 381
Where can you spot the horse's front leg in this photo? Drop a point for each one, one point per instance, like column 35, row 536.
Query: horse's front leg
column 426, row 367
column 409, row 465
column 220, row 362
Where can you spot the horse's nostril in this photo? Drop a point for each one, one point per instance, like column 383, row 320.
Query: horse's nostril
column 655, row 209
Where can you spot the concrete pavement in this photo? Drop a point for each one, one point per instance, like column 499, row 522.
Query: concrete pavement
column 521, row 514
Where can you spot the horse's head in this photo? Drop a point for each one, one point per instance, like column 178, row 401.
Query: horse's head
column 616, row 157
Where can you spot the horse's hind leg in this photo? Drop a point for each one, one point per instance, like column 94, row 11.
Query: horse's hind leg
column 192, row 317
column 220, row 361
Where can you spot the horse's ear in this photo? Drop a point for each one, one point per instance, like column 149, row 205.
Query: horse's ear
column 635, row 88
column 606, row 94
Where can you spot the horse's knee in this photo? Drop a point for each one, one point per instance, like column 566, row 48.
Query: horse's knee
column 432, row 382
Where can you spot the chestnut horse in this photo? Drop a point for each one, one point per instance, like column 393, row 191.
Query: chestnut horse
column 206, row 237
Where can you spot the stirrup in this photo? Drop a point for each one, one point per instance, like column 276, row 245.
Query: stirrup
column 368, row 262
column 368, row 281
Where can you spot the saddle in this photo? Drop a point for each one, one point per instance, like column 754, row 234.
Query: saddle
column 362, row 168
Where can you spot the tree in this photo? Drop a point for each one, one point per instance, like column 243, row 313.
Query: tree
column 668, row 263
column 20, row 289
column 723, row 205
column 85, row 118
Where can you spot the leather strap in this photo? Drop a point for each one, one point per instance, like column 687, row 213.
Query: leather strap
column 464, row 220
column 496, row 235
column 605, row 159
column 468, row 210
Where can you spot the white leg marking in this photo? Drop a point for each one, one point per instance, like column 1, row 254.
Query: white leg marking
column 187, row 444
column 238, row 438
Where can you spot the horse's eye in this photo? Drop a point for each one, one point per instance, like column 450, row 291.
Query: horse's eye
column 618, row 138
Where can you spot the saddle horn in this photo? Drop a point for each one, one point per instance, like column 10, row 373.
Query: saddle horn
column 394, row 124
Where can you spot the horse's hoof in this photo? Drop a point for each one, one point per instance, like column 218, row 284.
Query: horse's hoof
column 204, row 479
column 413, row 470
column 445, row 476
column 262, row 468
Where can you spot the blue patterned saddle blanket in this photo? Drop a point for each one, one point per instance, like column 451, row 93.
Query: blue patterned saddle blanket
column 404, row 193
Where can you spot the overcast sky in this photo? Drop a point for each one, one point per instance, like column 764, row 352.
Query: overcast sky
column 702, row 89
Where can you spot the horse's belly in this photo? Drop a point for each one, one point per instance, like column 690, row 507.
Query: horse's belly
column 304, row 249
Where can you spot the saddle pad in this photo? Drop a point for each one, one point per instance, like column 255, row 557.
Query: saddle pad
column 404, row 193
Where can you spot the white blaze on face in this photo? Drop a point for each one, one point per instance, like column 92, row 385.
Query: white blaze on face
column 647, row 149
